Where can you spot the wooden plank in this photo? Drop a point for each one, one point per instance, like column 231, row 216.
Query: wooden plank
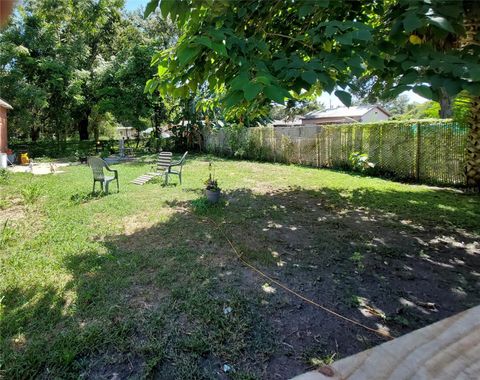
column 143, row 179
column 448, row 349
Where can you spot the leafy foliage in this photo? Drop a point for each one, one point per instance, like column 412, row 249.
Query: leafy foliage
column 294, row 108
column 211, row 183
column 69, row 67
column 251, row 53
column 360, row 162
column 421, row 49
column 427, row 110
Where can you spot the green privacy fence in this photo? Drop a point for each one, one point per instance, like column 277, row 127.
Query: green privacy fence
column 428, row 151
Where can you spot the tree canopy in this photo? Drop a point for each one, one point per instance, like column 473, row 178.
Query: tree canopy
column 250, row 53
column 66, row 66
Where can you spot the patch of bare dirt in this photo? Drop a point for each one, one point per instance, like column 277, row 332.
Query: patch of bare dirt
column 15, row 211
column 389, row 274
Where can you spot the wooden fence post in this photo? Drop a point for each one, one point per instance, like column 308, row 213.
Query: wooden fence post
column 274, row 145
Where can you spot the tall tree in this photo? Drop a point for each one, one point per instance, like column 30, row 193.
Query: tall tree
column 121, row 79
column 50, row 50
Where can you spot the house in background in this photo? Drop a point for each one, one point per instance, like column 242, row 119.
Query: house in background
column 287, row 123
column 127, row 132
column 346, row 115
column 4, row 106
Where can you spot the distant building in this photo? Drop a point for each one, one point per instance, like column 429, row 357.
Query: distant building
column 127, row 132
column 287, row 123
column 4, row 106
column 345, row 115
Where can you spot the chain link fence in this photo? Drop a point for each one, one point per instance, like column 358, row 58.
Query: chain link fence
column 427, row 151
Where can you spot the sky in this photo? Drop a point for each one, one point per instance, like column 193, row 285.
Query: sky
column 131, row 5
column 325, row 98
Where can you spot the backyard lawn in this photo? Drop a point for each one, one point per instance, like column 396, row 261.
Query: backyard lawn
column 143, row 284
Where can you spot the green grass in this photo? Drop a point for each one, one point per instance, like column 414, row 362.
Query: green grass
column 136, row 282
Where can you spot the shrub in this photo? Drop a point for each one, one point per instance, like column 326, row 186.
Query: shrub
column 359, row 162
column 237, row 140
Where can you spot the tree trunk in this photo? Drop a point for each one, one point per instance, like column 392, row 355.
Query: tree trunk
column 96, row 132
column 83, row 127
column 446, row 103
column 34, row 133
column 470, row 40
column 472, row 167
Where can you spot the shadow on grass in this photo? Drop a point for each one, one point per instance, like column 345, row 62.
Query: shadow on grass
column 171, row 301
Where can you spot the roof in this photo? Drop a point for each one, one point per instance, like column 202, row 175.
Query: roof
column 355, row 111
column 296, row 121
column 4, row 104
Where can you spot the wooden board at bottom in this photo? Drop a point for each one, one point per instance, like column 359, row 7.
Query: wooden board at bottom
column 448, row 349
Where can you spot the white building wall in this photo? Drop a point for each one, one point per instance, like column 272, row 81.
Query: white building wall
column 375, row 114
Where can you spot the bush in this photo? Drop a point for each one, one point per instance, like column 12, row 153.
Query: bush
column 359, row 162
column 237, row 139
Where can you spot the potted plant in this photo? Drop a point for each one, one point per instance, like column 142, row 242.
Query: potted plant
column 211, row 187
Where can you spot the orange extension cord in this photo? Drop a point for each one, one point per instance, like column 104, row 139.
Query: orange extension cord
column 286, row 288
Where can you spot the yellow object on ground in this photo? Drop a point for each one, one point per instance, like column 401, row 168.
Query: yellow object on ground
column 24, row 160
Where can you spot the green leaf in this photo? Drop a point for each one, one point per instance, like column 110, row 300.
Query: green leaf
column 280, row 63
column 204, row 40
column 263, row 79
column 397, row 90
column 355, row 63
column 151, row 6
column 239, row 81
column 305, row 10
column 275, row 93
column 150, row 86
column 166, row 7
column 424, row 91
column 220, row 48
column 217, row 34
column 233, row 98
column 362, row 35
column 309, row 76
column 345, row 39
column 330, row 30
column 412, row 22
column 474, row 71
column 472, row 88
column 188, row 54
column 452, row 87
column 442, row 23
column 376, row 62
column 323, row 3
column 161, row 70
column 326, row 82
column 251, row 90
column 344, row 97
